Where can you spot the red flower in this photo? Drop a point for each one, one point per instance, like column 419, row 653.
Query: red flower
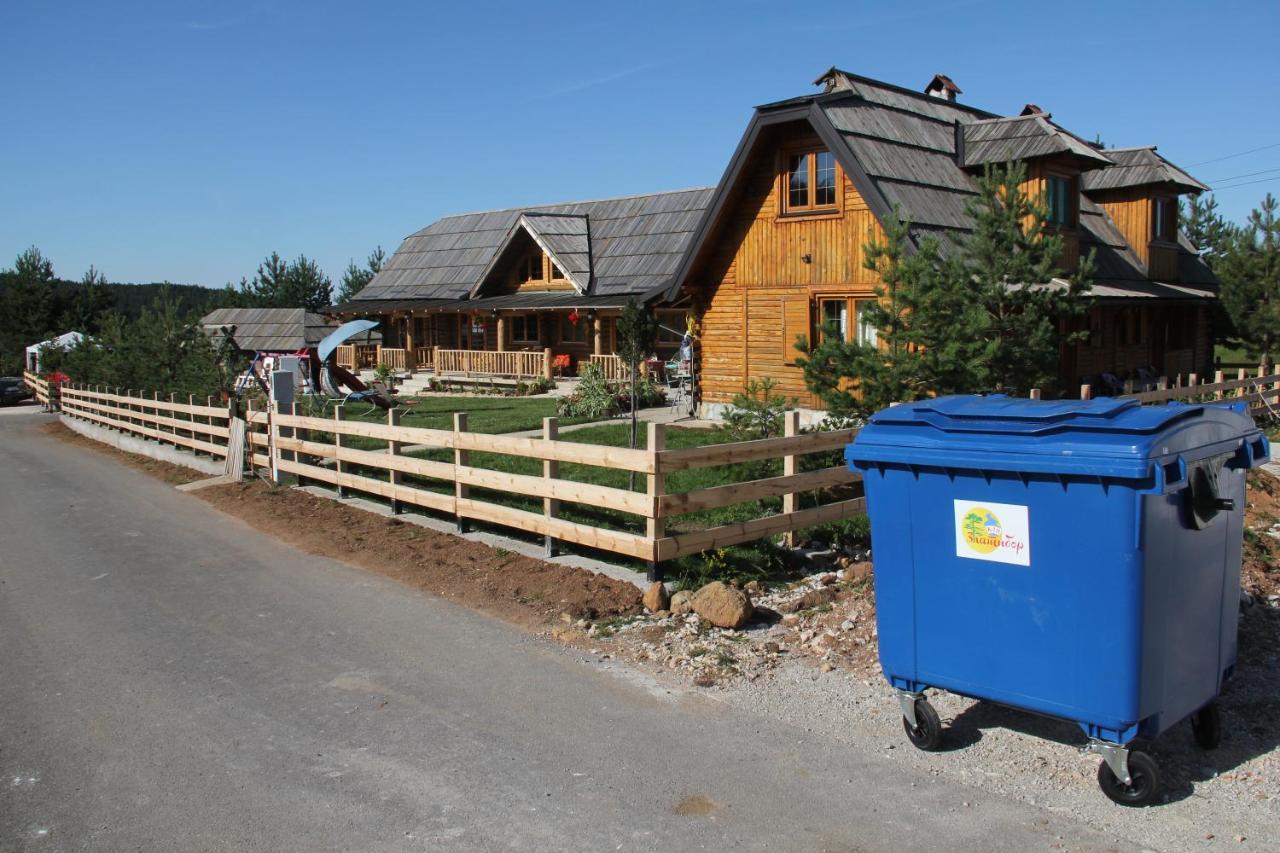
column 574, row 316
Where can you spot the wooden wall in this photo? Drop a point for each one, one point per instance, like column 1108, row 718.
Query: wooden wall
column 755, row 287
column 1036, row 189
column 1132, row 211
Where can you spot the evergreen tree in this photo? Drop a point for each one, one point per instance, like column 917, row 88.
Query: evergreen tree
column 982, row 312
column 637, row 331
column 1249, row 270
column 1207, row 230
column 288, row 284
column 88, row 303
column 27, row 307
column 355, row 278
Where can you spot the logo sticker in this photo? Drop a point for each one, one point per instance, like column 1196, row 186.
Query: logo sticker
column 991, row 531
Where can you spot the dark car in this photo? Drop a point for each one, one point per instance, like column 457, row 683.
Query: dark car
column 13, row 390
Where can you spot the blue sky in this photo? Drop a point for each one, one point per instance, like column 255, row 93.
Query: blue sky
column 185, row 141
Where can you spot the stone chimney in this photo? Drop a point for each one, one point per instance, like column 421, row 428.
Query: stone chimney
column 942, row 86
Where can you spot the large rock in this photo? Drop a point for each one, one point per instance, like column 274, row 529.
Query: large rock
column 722, row 605
column 656, row 597
column 682, row 602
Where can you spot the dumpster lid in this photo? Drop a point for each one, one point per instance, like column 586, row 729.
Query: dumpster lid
column 1102, row 437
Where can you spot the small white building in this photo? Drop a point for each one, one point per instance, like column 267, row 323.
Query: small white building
column 63, row 342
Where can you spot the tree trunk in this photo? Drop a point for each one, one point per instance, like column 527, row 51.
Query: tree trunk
column 632, row 479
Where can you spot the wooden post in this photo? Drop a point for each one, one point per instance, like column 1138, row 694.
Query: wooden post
column 435, row 360
column 410, row 351
column 339, row 415
column 790, row 467
column 393, row 449
column 1034, row 395
column 550, row 470
column 208, row 401
column 502, row 333
column 1128, row 386
column 155, row 411
column 1192, row 381
column 1162, row 383
column 231, row 416
column 273, row 446
column 1086, row 392
column 1218, row 379
column 546, row 364
column 461, row 458
column 597, row 329
column 191, row 401
column 1241, row 376
column 656, row 528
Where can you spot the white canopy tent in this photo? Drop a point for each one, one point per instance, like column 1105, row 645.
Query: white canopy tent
column 64, row 342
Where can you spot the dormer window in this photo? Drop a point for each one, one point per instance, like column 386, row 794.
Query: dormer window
column 810, row 182
column 538, row 267
column 1164, row 224
column 1058, row 198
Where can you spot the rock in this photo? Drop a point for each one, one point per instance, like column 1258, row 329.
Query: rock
column 846, row 625
column 790, row 619
column 772, row 648
column 656, row 597
column 812, row 598
column 859, row 572
column 754, row 588
column 828, row 579
column 566, row 618
column 826, row 667
column 705, row 680
column 681, row 603
column 722, row 605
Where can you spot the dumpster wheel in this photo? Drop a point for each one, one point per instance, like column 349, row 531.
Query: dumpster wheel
column 926, row 734
column 1206, row 725
column 1144, row 781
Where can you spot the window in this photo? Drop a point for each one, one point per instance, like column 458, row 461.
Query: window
column 671, row 327
column 1059, row 200
column 1165, row 226
column 811, row 181
column 557, row 274
column 575, row 333
column 524, row 329
column 864, row 332
column 471, row 332
column 538, row 267
column 835, row 317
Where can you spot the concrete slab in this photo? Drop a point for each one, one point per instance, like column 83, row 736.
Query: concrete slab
column 144, row 447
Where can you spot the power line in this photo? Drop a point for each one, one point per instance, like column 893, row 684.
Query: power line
column 1240, row 154
column 1247, row 183
column 1245, row 175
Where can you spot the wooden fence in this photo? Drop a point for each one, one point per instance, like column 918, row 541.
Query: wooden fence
column 454, row 486
column 613, row 368
column 514, row 364
column 1260, row 391
column 198, row 425
column 38, row 386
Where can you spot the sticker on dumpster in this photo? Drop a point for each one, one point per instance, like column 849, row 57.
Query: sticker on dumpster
column 992, row 531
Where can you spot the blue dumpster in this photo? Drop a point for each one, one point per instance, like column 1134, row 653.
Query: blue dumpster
column 1077, row 559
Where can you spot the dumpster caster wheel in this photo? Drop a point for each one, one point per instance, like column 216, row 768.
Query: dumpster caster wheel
column 1144, row 781
column 1206, row 725
column 926, row 734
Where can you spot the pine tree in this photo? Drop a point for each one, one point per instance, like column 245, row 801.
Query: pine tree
column 1249, row 270
column 355, row 278
column 88, row 303
column 981, row 312
column 1207, row 230
column 288, row 284
column 637, row 331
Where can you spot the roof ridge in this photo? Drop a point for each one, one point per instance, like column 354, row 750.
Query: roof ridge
column 535, row 207
column 912, row 92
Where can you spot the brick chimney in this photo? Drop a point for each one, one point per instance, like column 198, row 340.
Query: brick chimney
column 942, row 86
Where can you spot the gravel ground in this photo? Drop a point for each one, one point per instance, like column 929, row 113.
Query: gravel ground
column 816, row 668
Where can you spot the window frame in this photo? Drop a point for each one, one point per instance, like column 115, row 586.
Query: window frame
column 812, row 151
column 853, row 326
column 583, row 326
column 1160, row 222
column 523, row 321
column 1071, row 209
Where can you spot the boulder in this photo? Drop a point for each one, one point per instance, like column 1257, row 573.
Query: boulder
column 722, row 605
column 681, row 603
column 656, row 597
column 812, row 598
column 858, row 572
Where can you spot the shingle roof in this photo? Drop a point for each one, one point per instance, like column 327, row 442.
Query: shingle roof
column 999, row 140
column 635, row 244
column 1136, row 167
column 268, row 329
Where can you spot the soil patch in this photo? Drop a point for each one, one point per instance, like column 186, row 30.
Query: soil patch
column 167, row 471
column 518, row 589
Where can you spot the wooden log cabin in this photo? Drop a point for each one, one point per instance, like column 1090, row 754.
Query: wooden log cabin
column 522, row 291
column 780, row 251
column 775, row 250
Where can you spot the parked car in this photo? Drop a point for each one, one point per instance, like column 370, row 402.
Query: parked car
column 13, row 390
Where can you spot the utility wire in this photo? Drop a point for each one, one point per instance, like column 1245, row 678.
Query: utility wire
column 1248, row 183
column 1239, row 154
column 1245, row 175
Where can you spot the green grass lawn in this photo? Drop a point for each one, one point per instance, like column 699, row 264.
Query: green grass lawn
column 484, row 414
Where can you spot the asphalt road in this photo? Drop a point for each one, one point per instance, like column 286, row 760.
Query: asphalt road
column 171, row 679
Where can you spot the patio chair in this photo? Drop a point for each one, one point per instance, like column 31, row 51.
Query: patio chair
column 679, row 387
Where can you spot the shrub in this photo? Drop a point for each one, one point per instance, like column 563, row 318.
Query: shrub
column 756, row 412
column 594, row 398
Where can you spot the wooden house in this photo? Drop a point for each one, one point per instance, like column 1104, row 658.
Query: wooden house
column 780, row 250
column 512, row 292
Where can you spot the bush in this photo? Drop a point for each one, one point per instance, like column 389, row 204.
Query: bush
column 756, row 412
column 595, row 397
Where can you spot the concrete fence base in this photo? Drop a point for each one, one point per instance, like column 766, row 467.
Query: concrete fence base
column 142, row 446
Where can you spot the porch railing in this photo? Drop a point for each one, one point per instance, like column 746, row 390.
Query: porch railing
column 613, row 368
column 392, row 357
column 422, row 357
column 347, row 356
column 517, row 365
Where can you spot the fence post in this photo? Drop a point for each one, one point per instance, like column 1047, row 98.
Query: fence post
column 155, row 409
column 461, row 458
column 656, row 527
column 550, row 470
column 1218, row 379
column 1162, row 384
column 339, row 415
column 273, row 439
column 393, row 449
column 231, row 416
column 191, row 416
column 1242, row 376
column 790, row 467
column 1035, row 394
column 1086, row 392
column 546, row 364
column 1192, row 381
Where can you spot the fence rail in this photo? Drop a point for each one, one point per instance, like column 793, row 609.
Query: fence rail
column 613, row 368
column 1258, row 392
column 38, row 386
column 514, row 364
column 197, row 426
column 346, row 355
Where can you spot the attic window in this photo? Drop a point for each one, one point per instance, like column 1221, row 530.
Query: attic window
column 538, row 267
column 1058, row 199
column 811, row 181
column 1165, row 220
